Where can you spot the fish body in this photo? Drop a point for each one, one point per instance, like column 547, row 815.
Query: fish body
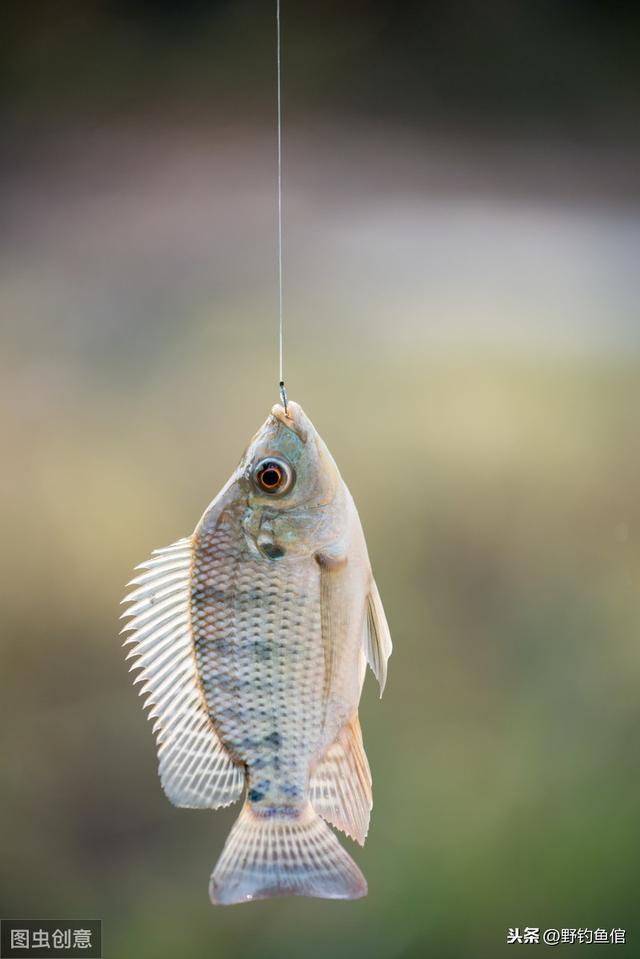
column 252, row 637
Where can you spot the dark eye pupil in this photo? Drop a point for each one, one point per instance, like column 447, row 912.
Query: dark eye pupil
column 270, row 477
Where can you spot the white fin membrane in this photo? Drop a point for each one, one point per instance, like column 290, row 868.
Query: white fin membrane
column 340, row 784
column 195, row 769
column 266, row 857
column 377, row 638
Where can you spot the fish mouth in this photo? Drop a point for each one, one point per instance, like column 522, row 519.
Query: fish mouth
column 294, row 419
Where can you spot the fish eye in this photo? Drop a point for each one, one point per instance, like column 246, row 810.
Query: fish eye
column 273, row 476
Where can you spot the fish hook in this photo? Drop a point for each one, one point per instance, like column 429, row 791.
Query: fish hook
column 283, row 397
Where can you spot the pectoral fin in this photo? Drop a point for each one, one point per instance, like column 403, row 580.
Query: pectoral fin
column 334, row 602
column 340, row 785
column 377, row 638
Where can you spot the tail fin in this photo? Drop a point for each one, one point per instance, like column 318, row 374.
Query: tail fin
column 266, row 857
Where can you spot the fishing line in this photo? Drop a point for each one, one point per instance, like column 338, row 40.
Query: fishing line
column 283, row 392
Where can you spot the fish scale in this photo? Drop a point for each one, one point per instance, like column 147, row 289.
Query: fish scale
column 265, row 669
column 252, row 638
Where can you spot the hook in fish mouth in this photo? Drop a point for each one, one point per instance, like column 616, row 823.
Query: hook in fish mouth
column 283, row 397
column 292, row 417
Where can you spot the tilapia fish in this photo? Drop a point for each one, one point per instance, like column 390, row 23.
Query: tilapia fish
column 252, row 637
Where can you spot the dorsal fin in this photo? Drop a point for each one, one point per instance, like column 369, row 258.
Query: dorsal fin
column 195, row 769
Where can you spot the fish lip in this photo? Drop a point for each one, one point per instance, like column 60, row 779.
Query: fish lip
column 292, row 419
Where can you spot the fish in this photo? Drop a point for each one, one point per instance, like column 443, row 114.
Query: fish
column 252, row 637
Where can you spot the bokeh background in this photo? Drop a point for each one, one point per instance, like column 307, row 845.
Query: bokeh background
column 462, row 231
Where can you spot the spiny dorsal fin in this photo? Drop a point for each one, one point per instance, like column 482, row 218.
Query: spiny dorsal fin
column 377, row 638
column 195, row 769
column 340, row 785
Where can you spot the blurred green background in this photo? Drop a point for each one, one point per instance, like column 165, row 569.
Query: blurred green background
column 462, row 228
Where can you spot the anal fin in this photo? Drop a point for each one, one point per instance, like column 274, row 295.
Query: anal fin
column 340, row 784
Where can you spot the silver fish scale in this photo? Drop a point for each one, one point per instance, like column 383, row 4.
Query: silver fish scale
column 260, row 659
